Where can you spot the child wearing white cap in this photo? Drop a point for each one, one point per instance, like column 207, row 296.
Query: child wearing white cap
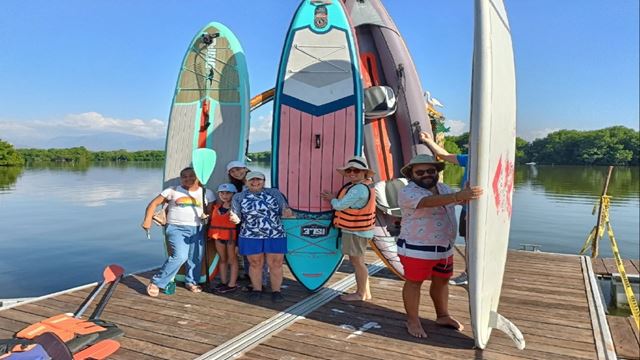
column 225, row 234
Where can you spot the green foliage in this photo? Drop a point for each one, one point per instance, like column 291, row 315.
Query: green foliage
column 123, row 155
column 264, row 156
column 521, row 148
column 8, row 155
column 80, row 155
column 451, row 146
column 452, row 175
column 462, row 141
column 615, row 145
column 9, row 175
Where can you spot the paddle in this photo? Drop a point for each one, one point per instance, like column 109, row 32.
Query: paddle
column 204, row 161
column 111, row 275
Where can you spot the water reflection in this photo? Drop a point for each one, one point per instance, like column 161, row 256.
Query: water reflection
column 9, row 176
column 562, row 182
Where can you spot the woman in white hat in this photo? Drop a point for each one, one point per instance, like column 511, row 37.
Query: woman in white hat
column 355, row 208
column 262, row 236
column 237, row 171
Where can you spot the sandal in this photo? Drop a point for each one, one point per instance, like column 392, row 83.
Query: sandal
column 153, row 290
column 193, row 288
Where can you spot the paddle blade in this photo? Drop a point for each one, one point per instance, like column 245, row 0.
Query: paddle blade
column 101, row 350
column 204, row 161
column 112, row 272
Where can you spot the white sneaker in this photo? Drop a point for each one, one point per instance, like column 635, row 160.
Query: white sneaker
column 459, row 280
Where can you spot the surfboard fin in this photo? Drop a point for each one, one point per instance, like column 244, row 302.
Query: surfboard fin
column 503, row 324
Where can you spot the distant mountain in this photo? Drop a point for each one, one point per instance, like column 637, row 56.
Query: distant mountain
column 104, row 141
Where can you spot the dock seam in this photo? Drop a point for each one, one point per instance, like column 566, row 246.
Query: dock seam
column 253, row 337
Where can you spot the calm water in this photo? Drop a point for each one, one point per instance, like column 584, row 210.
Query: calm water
column 59, row 226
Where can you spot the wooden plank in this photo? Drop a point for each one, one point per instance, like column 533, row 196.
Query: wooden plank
column 627, row 345
column 629, row 267
column 634, row 328
column 636, row 264
column 598, row 267
column 610, row 264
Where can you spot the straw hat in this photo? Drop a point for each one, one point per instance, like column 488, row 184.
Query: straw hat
column 421, row 159
column 356, row 162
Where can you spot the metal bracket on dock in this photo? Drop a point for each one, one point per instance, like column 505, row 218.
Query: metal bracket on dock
column 530, row 247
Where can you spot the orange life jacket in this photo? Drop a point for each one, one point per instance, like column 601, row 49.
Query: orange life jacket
column 356, row 219
column 220, row 227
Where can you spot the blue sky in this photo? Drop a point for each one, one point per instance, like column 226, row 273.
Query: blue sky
column 86, row 67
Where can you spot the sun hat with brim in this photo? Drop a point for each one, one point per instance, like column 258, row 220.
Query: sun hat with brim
column 254, row 175
column 421, row 159
column 227, row 187
column 356, row 162
column 235, row 164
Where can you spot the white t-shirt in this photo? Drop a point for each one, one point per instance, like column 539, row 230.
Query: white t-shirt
column 185, row 207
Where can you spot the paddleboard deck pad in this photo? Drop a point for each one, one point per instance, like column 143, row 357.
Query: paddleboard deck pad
column 492, row 156
column 210, row 110
column 317, row 126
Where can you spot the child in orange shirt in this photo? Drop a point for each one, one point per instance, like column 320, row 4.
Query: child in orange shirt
column 225, row 234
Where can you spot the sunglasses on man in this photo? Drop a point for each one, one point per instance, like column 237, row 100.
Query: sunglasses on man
column 431, row 171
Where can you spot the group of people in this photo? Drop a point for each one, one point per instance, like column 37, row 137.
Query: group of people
column 249, row 215
column 244, row 218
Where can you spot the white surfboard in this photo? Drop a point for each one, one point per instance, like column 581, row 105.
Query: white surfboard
column 492, row 155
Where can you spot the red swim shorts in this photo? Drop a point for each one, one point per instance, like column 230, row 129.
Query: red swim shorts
column 422, row 269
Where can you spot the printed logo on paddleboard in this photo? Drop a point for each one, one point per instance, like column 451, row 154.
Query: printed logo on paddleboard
column 503, row 186
column 321, row 18
column 314, row 231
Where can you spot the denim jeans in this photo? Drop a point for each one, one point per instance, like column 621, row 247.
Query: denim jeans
column 185, row 245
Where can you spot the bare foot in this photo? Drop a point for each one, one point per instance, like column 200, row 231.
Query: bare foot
column 415, row 329
column 354, row 297
column 449, row 321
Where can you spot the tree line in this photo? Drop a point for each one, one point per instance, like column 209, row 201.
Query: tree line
column 9, row 156
column 616, row 145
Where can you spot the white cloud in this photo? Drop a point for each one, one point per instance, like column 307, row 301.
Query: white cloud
column 79, row 124
column 96, row 122
column 260, row 129
column 456, row 127
column 531, row 135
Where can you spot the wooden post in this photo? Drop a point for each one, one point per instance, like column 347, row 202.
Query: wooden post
column 594, row 243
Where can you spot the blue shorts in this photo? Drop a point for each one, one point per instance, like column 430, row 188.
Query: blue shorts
column 254, row 246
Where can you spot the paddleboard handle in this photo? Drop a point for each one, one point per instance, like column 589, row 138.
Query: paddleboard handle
column 208, row 38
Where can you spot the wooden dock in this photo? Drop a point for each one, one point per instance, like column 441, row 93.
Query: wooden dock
column 607, row 266
column 623, row 329
column 548, row 296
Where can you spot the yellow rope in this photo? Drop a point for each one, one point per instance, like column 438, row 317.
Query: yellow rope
column 605, row 224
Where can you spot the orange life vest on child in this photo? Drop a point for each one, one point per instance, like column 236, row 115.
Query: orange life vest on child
column 356, row 219
column 220, row 227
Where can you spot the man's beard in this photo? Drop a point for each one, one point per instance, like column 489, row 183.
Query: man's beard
column 427, row 182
